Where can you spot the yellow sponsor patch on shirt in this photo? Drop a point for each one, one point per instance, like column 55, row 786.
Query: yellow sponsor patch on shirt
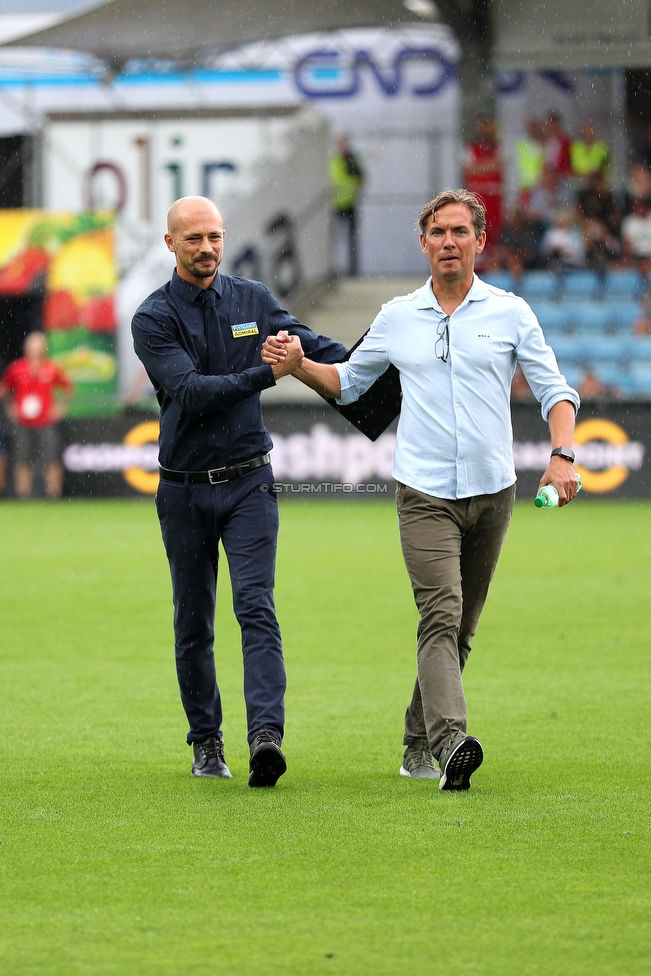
column 244, row 329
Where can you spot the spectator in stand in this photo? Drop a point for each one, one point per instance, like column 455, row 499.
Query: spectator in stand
column 597, row 200
column 645, row 150
column 589, row 155
column 530, row 160
column 591, row 388
column 563, row 244
column 550, row 198
column 557, row 146
column 347, row 180
column 639, row 186
column 601, row 247
column 636, row 234
column 30, row 386
column 520, row 239
column 642, row 324
column 483, row 173
column 601, row 223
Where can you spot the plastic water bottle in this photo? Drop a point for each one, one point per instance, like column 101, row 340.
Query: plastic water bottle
column 547, row 497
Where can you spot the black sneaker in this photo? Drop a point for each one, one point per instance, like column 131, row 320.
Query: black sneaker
column 459, row 761
column 208, row 759
column 267, row 763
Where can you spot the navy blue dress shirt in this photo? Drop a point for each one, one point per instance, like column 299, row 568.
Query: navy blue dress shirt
column 201, row 349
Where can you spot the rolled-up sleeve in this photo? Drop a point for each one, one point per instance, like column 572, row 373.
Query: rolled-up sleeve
column 539, row 364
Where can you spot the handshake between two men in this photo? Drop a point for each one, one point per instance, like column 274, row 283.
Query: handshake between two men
column 284, row 353
column 454, row 493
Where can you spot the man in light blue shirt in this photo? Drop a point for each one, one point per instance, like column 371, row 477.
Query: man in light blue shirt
column 456, row 343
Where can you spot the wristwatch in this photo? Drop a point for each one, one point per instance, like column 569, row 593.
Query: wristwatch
column 565, row 452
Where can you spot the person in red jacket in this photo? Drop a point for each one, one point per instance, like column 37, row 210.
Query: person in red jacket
column 483, row 167
column 557, row 146
column 29, row 387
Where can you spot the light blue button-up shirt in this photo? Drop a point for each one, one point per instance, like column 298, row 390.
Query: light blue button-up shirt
column 454, row 435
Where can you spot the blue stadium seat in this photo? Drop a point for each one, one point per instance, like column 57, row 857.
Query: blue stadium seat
column 573, row 374
column 641, row 376
column 552, row 316
column 537, row 284
column 589, row 316
column 572, row 310
column 501, row 279
column 582, row 284
column 626, row 313
column 622, row 378
column 604, row 349
column 614, row 377
column 618, row 378
column 626, row 384
column 611, row 374
column 623, row 283
column 638, row 348
column 567, row 348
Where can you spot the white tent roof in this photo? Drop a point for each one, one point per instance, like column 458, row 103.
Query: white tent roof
column 124, row 29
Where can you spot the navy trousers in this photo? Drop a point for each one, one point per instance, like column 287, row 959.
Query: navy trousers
column 244, row 514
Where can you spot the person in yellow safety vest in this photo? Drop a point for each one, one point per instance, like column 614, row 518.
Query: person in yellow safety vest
column 589, row 154
column 347, row 179
column 530, row 159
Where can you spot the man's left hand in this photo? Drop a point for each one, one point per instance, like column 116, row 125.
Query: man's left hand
column 561, row 474
column 291, row 361
column 274, row 349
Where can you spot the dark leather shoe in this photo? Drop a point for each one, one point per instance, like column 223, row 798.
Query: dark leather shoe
column 209, row 760
column 267, row 763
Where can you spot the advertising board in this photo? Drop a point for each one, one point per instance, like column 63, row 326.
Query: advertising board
column 317, row 454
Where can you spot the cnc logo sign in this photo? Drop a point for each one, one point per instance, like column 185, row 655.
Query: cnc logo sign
column 329, row 73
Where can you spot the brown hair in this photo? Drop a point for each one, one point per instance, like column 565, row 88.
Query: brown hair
column 471, row 200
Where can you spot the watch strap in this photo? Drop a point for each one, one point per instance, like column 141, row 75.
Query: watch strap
column 565, row 452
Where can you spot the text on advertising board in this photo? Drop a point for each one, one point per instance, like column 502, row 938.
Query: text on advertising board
column 605, row 456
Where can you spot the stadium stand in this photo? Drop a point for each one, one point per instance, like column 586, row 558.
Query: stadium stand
column 589, row 321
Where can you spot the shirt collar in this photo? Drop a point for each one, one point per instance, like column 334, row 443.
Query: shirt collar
column 425, row 296
column 189, row 291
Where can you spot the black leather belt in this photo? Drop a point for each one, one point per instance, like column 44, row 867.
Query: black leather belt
column 216, row 476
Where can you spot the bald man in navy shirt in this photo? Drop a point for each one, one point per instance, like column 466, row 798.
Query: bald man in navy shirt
column 199, row 338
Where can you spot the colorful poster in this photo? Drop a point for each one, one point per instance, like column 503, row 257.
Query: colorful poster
column 69, row 260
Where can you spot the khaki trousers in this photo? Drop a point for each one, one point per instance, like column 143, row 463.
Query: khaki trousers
column 451, row 548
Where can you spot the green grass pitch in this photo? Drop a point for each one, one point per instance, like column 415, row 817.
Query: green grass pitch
column 115, row 862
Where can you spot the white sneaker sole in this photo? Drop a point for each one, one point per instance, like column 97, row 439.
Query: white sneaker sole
column 422, row 772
